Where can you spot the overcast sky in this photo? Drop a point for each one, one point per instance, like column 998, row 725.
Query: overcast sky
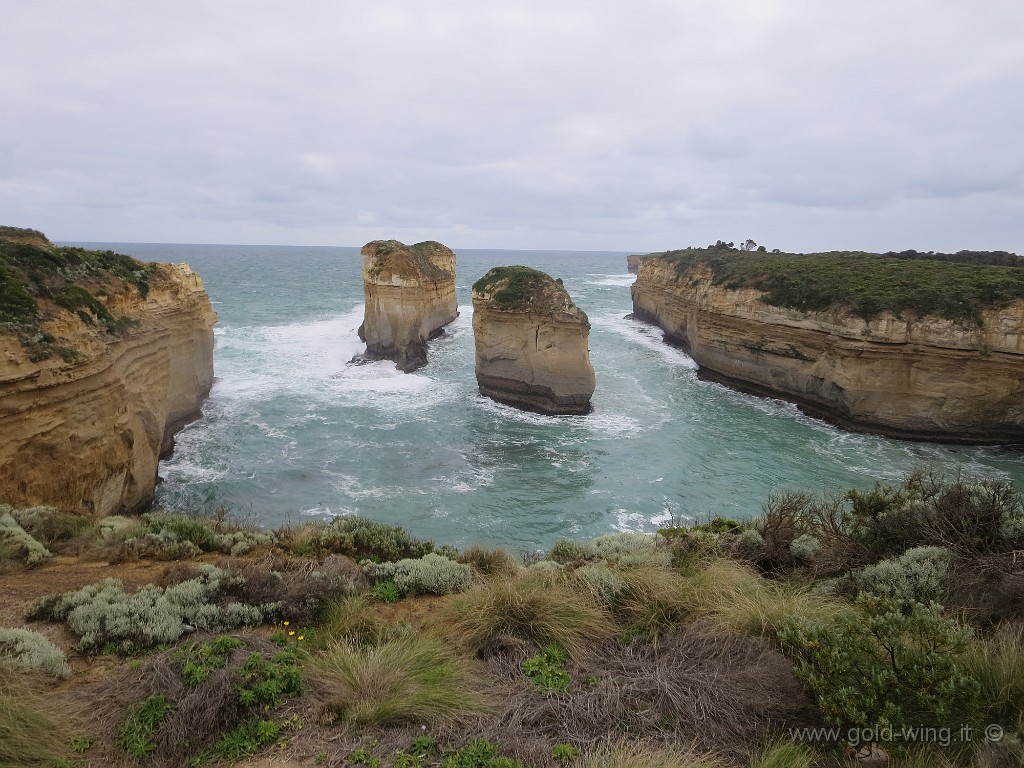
column 638, row 126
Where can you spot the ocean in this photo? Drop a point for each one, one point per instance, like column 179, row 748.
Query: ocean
column 292, row 432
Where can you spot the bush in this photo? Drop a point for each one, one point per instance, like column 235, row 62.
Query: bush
column 630, row 550
column 533, row 609
column 365, row 540
column 412, row 678
column 882, row 666
column 108, row 619
column 916, row 576
column 47, row 525
column 430, row 575
column 568, row 551
column 17, row 546
column 31, row 650
column 546, row 670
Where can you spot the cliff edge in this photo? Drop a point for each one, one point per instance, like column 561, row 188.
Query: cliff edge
column 848, row 347
column 410, row 297
column 102, row 359
column 531, row 342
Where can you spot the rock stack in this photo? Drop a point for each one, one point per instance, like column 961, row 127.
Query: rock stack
column 531, row 342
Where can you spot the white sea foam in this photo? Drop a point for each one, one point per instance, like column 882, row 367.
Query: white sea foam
column 644, row 335
column 618, row 281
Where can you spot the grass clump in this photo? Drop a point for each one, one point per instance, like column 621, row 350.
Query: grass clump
column 784, row 754
column 640, row 756
column 997, row 663
column 30, row 650
column 410, row 678
column 532, row 608
column 34, row 725
column 358, row 538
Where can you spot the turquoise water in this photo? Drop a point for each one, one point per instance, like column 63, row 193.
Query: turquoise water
column 292, row 432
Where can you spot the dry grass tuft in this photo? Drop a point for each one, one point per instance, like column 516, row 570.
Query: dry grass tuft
column 639, row 756
column 736, row 598
column 533, row 608
column 35, row 725
column 410, row 678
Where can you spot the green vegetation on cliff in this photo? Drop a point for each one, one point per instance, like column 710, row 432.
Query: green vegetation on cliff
column 884, row 615
column 36, row 277
column 867, row 283
column 524, row 288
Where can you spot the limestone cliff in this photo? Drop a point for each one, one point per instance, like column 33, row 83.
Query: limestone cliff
column 531, row 342
column 633, row 263
column 897, row 374
column 96, row 374
column 410, row 297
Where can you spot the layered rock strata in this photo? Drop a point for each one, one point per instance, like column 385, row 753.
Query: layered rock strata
column 920, row 378
column 410, row 297
column 83, row 430
column 531, row 342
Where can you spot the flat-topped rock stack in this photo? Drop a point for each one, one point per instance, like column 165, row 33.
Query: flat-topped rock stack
column 531, row 342
column 410, row 297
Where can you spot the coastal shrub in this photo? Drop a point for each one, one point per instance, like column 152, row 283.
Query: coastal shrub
column 47, row 525
column 429, row 575
column 628, row 550
column 31, row 650
column 881, row 666
column 35, row 725
column 386, row 591
column 364, row 539
column 107, row 619
column 414, row 678
column 603, row 583
column 916, row 576
column 17, row 547
column 532, row 608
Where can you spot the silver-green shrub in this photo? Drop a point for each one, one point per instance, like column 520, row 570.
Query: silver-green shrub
column 17, row 545
column 241, row 542
column 430, row 574
column 31, row 650
column 107, row 618
column 631, row 550
column 916, row 576
column 804, row 547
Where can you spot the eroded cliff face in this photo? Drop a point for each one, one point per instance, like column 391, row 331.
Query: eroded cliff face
column 83, row 431
column 633, row 263
column 918, row 378
column 532, row 352
column 410, row 297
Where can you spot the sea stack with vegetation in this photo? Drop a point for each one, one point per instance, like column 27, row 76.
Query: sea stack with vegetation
column 531, row 342
column 410, row 297
column 102, row 359
column 909, row 345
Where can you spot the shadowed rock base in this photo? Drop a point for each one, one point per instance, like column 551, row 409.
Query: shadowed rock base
column 532, row 397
